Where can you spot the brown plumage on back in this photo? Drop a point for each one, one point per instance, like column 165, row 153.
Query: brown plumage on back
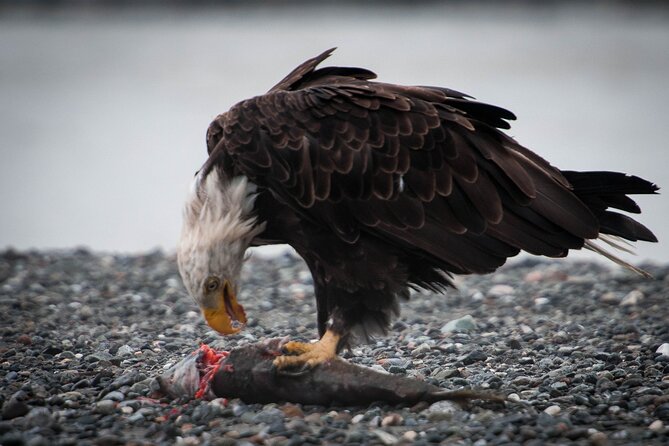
column 382, row 187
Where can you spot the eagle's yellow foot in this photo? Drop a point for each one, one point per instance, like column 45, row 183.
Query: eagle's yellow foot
column 300, row 354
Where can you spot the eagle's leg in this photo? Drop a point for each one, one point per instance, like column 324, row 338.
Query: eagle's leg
column 300, row 354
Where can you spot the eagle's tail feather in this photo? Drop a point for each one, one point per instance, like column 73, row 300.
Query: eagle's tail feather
column 603, row 191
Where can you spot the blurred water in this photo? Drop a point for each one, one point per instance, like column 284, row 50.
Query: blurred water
column 102, row 115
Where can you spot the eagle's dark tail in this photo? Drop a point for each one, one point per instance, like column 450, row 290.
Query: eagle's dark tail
column 604, row 191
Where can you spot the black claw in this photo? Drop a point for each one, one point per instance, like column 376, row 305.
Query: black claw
column 294, row 372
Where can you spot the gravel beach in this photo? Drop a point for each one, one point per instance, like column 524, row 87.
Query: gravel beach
column 577, row 347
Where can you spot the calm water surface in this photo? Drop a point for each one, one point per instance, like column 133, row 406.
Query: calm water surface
column 102, row 116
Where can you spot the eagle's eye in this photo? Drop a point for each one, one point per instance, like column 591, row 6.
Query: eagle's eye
column 211, row 284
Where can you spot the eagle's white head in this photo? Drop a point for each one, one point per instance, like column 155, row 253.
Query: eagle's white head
column 218, row 227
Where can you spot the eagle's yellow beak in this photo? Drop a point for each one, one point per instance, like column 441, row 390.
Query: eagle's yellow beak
column 228, row 317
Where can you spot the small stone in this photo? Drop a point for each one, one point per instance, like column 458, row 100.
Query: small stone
column 410, row 436
column 114, row 396
column 662, row 411
column 541, row 301
column 525, row 329
column 513, row 397
column 609, row 298
column 440, row 411
column 86, row 311
column 474, row 356
column 24, row 339
column 357, row 418
column 605, row 384
column 125, row 350
column 598, row 438
column 656, row 426
column 534, row 276
column 393, row 419
column 375, row 422
column 136, row 417
column 634, row 297
column 98, row 356
column 81, row 384
column 663, row 349
column 292, row 410
column 553, row 410
column 39, row 417
column 266, row 305
column 105, row 406
column 385, row 437
column 514, row 344
column 559, row 387
column 500, row 290
column 14, row 407
column 440, row 374
column 268, row 415
column 422, row 348
column 465, row 323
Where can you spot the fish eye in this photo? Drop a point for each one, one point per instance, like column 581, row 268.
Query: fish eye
column 211, row 284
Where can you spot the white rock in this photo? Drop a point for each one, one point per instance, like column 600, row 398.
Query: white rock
column 525, row 329
column 541, row 301
column 663, row 349
column 357, row 418
column 500, row 290
column 477, row 296
column 385, row 437
column 552, row 410
column 609, row 298
column 422, row 348
column 656, row 426
column 393, row 419
column 632, row 298
column 465, row 323
column 410, row 435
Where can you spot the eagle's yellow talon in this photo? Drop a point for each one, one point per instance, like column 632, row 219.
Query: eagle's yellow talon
column 296, row 348
column 309, row 355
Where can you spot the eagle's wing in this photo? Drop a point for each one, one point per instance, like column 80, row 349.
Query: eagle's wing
column 421, row 167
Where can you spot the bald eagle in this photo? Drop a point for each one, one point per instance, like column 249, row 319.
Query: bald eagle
column 380, row 188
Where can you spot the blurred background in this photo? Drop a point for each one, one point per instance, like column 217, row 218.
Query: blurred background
column 104, row 105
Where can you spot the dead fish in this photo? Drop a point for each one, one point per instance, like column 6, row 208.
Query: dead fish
column 249, row 374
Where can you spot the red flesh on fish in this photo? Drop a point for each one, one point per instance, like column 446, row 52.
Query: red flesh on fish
column 211, row 362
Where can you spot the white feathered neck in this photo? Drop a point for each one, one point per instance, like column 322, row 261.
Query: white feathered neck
column 218, row 227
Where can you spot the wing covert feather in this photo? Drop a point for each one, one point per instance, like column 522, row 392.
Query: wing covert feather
column 405, row 164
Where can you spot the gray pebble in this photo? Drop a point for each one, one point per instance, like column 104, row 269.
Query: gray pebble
column 473, row 357
column 114, row 396
column 441, row 410
column 106, row 406
column 15, row 406
column 125, row 350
